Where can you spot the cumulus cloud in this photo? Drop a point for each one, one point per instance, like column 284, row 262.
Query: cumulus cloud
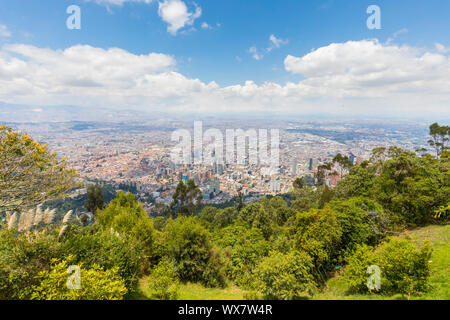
column 4, row 31
column 441, row 48
column 368, row 68
column 356, row 76
column 176, row 14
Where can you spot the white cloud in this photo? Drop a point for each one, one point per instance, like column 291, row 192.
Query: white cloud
column 4, row 31
column 176, row 14
column 276, row 43
column 396, row 34
column 363, row 76
column 255, row 54
column 206, row 26
column 441, row 48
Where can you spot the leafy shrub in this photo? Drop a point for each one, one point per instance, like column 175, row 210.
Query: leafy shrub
column 356, row 270
column 129, row 219
column 256, row 216
column 362, row 221
column 95, row 283
column 404, row 267
column 278, row 209
column 411, row 187
column 22, row 257
column 318, row 233
column 285, row 276
column 306, row 199
column 164, row 281
column 94, row 246
column 247, row 248
column 188, row 243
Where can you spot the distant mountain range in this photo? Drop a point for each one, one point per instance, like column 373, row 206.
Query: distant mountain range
column 24, row 113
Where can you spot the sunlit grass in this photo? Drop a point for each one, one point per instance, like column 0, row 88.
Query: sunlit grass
column 337, row 288
column 194, row 291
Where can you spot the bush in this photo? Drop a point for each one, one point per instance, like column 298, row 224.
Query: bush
column 93, row 246
column 164, row 281
column 362, row 221
column 96, row 284
column 285, row 276
column 188, row 243
column 129, row 219
column 22, row 257
column 246, row 249
column 256, row 216
column 356, row 270
column 404, row 267
column 318, row 233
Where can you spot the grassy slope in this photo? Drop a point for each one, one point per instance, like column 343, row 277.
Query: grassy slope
column 440, row 266
column 193, row 291
column 336, row 288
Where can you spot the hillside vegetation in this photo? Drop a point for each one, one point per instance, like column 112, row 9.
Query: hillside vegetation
column 381, row 233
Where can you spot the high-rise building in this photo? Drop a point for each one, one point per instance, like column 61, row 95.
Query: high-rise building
column 310, row 164
column 352, row 158
column 294, row 168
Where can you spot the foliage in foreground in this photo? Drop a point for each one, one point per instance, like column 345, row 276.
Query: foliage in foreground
column 94, row 284
column 285, row 276
column 405, row 268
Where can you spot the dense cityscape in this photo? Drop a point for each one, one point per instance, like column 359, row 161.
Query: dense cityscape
column 137, row 154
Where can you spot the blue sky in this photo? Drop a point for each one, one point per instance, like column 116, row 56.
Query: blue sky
column 237, row 32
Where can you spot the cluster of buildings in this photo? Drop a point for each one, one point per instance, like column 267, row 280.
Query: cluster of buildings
column 141, row 155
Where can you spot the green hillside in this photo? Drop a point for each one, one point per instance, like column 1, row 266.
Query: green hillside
column 440, row 279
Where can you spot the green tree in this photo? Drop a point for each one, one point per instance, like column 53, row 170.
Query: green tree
column 94, row 246
column 186, row 199
column 356, row 270
column 256, row 216
column 239, row 201
column 440, row 136
column 95, row 198
column 362, row 221
column 344, row 163
column 22, row 257
column 188, row 243
column 359, row 182
column 246, row 248
column 404, row 266
column 326, row 195
column 305, row 199
column 411, row 187
column 127, row 217
column 29, row 173
column 318, row 233
column 299, row 183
